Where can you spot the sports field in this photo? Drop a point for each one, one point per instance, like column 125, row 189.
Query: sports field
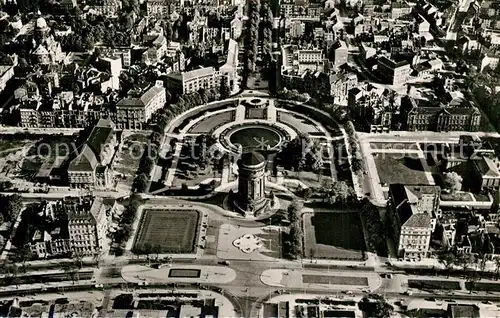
column 175, row 231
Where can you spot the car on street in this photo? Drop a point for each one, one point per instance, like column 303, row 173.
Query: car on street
column 226, row 263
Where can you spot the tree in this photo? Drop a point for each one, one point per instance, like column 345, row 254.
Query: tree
column 294, row 211
column 12, row 206
column 375, row 229
column 448, row 259
column 497, row 266
column 464, row 261
column 141, row 183
column 225, row 90
column 376, row 306
column 472, row 278
column 338, row 192
column 453, row 181
column 71, row 271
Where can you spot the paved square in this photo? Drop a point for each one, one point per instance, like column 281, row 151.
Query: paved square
column 269, row 237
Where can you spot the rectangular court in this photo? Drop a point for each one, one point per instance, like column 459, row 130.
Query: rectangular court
column 175, row 231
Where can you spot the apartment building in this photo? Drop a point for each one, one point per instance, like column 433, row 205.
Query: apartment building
column 395, row 73
column 413, row 218
column 87, row 226
column 83, row 234
column 89, row 165
column 135, row 112
column 192, row 81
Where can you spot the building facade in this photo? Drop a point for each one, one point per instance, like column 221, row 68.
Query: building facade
column 134, row 113
column 439, row 118
column 192, row 81
column 395, row 73
column 413, row 218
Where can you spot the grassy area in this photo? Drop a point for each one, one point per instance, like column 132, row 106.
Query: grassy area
column 336, row 235
column 256, row 113
column 208, row 124
column 481, row 197
column 335, row 280
column 397, row 168
column 457, row 196
column 175, row 231
column 184, row 273
column 433, row 284
column 483, row 286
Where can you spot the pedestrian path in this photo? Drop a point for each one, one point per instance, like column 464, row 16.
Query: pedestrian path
column 171, row 171
column 240, row 114
column 271, row 111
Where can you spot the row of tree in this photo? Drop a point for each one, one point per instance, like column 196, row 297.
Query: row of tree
column 376, row 233
column 251, row 38
column 127, row 219
column 267, row 32
column 292, row 245
column 353, row 143
column 148, row 160
column 186, row 102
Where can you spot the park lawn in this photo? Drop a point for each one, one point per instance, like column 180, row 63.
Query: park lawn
column 210, row 123
column 333, row 235
column 480, row 197
column 398, row 168
column 175, row 231
column 457, row 196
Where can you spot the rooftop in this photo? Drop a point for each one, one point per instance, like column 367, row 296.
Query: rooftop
column 252, row 158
